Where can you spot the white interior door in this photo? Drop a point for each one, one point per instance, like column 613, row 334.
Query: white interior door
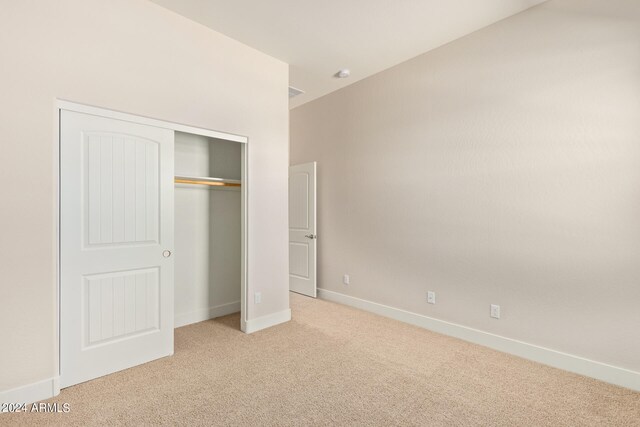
column 116, row 238
column 302, row 229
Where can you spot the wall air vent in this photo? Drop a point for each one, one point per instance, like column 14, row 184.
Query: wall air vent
column 294, row 92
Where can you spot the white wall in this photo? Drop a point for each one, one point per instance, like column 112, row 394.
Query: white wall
column 132, row 56
column 501, row 168
column 207, row 230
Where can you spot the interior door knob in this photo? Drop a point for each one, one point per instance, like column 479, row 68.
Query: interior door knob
column 310, row 236
column 166, row 253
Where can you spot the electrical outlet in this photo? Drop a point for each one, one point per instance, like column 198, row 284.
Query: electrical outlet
column 346, row 279
column 257, row 297
column 431, row 297
column 495, row 311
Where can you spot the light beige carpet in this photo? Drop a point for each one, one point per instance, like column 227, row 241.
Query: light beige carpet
column 334, row 365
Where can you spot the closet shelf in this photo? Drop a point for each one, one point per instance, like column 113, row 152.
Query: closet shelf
column 200, row 180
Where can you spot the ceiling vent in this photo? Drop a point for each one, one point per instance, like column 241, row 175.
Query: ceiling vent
column 294, row 92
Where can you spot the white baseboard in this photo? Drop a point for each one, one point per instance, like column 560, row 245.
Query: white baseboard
column 259, row 323
column 205, row 314
column 568, row 362
column 34, row 392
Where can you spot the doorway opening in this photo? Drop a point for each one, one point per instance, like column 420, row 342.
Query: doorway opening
column 151, row 236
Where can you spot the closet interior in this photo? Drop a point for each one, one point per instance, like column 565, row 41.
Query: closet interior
column 207, row 228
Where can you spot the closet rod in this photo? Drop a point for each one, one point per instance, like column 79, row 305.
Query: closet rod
column 217, row 182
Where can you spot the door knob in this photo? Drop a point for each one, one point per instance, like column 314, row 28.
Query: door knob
column 166, row 253
column 310, row 236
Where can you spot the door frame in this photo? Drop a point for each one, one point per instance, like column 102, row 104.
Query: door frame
column 59, row 105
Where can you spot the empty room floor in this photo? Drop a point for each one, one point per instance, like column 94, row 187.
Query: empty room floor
column 335, row 365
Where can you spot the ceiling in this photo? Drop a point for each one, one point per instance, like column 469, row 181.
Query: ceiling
column 318, row 38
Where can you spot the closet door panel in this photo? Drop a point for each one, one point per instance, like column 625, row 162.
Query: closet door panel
column 116, row 223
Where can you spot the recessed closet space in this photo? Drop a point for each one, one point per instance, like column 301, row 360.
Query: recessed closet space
column 207, row 227
column 152, row 236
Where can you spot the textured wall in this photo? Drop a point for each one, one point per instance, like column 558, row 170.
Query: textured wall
column 136, row 57
column 501, row 168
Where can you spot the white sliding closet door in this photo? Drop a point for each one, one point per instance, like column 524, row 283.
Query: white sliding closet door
column 116, row 239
